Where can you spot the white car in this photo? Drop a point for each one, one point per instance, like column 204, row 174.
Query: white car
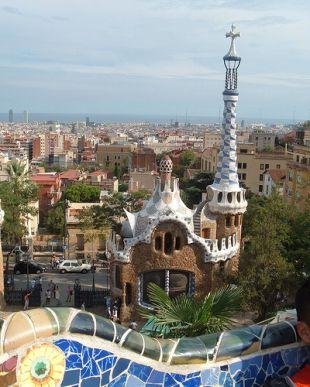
column 73, row 266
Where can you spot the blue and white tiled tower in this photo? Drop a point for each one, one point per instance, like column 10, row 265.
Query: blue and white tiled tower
column 225, row 195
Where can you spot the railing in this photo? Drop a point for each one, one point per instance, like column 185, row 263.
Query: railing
column 16, row 296
column 89, row 297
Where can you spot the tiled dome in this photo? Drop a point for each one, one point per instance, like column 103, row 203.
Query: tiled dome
column 165, row 165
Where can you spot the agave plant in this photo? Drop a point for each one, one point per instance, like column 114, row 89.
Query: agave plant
column 188, row 316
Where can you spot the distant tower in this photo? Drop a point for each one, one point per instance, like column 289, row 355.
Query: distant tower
column 26, row 117
column 87, row 121
column 225, row 195
column 11, row 115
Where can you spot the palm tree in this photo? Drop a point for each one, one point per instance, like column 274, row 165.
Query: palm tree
column 17, row 171
column 187, row 316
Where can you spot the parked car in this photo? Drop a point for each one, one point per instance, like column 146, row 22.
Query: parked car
column 33, row 267
column 73, row 266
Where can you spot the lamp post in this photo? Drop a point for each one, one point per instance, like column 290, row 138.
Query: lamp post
column 2, row 302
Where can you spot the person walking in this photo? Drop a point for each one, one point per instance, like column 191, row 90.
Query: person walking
column 48, row 294
column 26, row 300
column 57, row 295
column 69, row 294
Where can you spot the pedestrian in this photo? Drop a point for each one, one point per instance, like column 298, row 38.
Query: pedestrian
column 69, row 294
column 33, row 283
column 108, row 304
column 52, row 288
column 57, row 295
column 40, row 283
column 48, row 294
column 26, row 300
column 83, row 305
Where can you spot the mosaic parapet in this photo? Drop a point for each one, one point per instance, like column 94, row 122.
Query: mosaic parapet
column 64, row 346
column 23, row 328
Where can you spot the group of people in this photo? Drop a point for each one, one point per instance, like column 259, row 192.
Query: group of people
column 113, row 310
column 55, row 262
column 52, row 291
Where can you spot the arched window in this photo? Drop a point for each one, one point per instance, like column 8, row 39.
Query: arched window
column 228, row 224
column 229, row 197
column 178, row 243
column 168, row 246
column 158, row 243
column 219, row 197
column 128, row 292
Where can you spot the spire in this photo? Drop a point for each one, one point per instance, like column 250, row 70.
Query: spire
column 165, row 169
column 225, row 195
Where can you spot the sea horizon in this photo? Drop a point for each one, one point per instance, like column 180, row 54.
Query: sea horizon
column 137, row 118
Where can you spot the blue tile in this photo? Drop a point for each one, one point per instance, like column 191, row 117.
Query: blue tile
column 194, row 382
column 222, row 377
column 179, row 378
column 228, row 382
column 120, row 366
column 234, row 367
column 140, row 371
column 90, row 382
column 169, row 381
column 119, row 382
column 71, row 377
column 251, row 371
column 100, row 354
column 73, row 361
column 156, row 377
column 106, row 363
column 210, row 376
column 105, row 378
column 261, row 376
column 132, row 381
column 90, row 369
column 249, row 383
column 82, row 323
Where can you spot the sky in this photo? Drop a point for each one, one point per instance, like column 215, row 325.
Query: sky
column 153, row 56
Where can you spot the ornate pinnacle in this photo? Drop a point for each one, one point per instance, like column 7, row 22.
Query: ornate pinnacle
column 233, row 35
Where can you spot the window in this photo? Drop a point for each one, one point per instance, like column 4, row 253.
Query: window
column 80, row 241
column 229, row 197
column 66, row 264
column 244, row 165
column 220, row 196
column 168, row 243
column 117, row 277
column 261, row 177
column 260, row 188
column 177, row 243
column 74, row 264
column 243, row 151
column 158, row 243
column 239, row 176
column 266, row 166
column 228, row 221
column 278, row 166
column 239, row 165
column 297, row 158
column 261, row 167
column 244, row 176
column 179, row 282
column 206, row 233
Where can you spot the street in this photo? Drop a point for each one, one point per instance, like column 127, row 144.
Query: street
column 63, row 281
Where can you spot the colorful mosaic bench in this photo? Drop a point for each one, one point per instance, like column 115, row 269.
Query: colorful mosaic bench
column 64, row 346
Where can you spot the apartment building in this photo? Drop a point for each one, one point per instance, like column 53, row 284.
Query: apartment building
column 251, row 164
column 112, row 155
column 143, row 159
column 274, row 180
column 263, row 139
column 297, row 183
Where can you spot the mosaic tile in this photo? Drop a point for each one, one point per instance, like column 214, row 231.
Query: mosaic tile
column 120, row 366
column 104, row 328
column 105, row 378
column 189, row 349
column 118, row 382
column 71, row 377
column 194, row 382
column 90, row 382
column 132, row 381
column 134, row 342
column 140, row 371
column 278, row 335
column 82, row 323
column 156, row 377
column 152, row 348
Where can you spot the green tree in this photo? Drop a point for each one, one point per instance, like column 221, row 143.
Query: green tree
column 117, row 171
column 56, row 219
column 16, row 196
column 82, row 193
column 123, row 188
column 264, row 272
column 191, row 196
column 189, row 316
column 187, row 158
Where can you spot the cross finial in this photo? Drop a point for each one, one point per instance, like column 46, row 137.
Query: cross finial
column 233, row 35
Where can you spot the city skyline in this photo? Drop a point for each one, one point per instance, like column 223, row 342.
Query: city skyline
column 153, row 58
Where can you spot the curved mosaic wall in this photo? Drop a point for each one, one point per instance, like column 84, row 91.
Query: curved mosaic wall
column 63, row 346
